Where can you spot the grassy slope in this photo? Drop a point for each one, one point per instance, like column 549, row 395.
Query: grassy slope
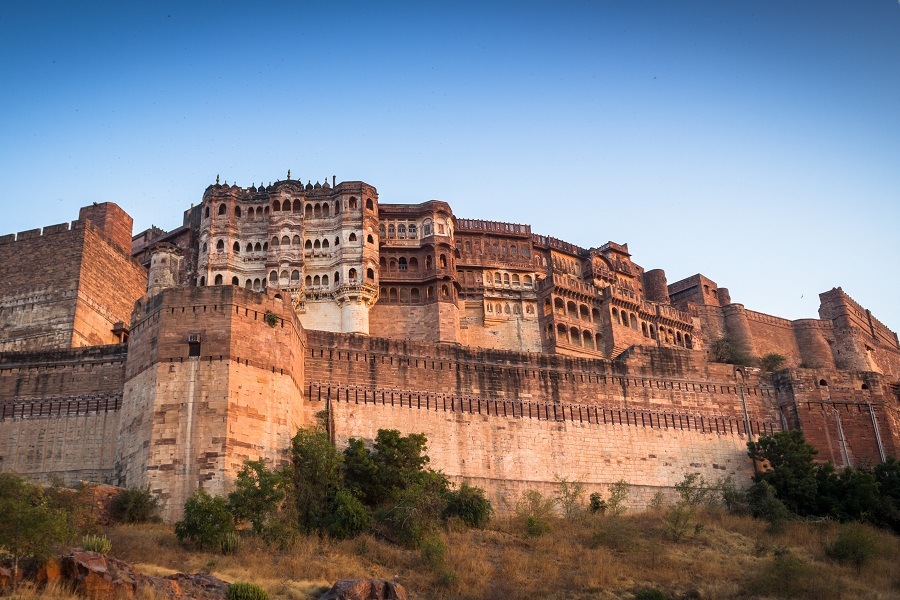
column 725, row 557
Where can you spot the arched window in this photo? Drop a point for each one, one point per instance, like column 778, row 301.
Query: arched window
column 426, row 228
column 308, row 281
column 595, row 315
column 445, row 291
column 497, row 278
column 325, row 244
column 317, row 210
column 266, row 210
column 572, row 309
column 317, row 245
column 587, row 340
column 249, row 247
column 369, row 204
column 515, row 279
column 352, row 237
column 237, row 211
column 206, row 213
column 598, row 340
column 325, row 210
column 308, row 211
column 429, row 292
column 308, row 245
column 414, row 264
column 574, row 336
column 317, row 280
column 370, row 239
column 506, row 279
column 404, row 295
column 370, row 274
column 443, row 261
column 285, row 240
column 401, row 231
column 276, row 206
column 392, row 294
column 249, row 284
column 506, row 308
column 644, row 330
column 235, row 281
column 220, row 246
column 402, row 263
column 352, row 274
column 222, row 209
column 562, row 333
column 560, row 306
column 273, row 278
column 236, row 248
column 392, row 265
column 352, row 203
column 298, row 206
column 584, row 313
column 392, row 233
column 428, row 262
column 284, row 276
column 256, row 284
column 337, row 278
column 823, row 383
column 615, row 314
column 633, row 321
column 411, row 232
column 274, row 242
column 218, row 280
column 296, row 240
column 295, row 277
column 687, row 342
column 324, row 279
column 490, row 307
column 203, row 281
column 265, row 246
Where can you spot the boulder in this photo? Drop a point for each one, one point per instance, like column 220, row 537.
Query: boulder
column 365, row 589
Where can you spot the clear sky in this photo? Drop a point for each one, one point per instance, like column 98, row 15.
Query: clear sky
column 756, row 142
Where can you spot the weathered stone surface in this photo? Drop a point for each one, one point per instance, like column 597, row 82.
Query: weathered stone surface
column 365, row 589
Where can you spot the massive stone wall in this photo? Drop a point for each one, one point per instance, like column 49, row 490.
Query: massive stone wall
column 59, row 412
column 507, row 451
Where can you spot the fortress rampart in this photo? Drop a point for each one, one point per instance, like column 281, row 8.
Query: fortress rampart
column 167, row 359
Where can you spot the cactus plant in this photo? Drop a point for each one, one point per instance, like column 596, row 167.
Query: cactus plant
column 241, row 590
column 231, row 542
column 96, row 543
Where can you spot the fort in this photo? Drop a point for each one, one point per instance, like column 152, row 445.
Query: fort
column 168, row 358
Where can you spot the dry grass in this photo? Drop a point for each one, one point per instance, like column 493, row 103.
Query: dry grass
column 725, row 557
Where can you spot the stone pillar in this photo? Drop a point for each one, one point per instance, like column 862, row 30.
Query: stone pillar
column 655, row 287
column 737, row 328
column 814, row 349
column 165, row 267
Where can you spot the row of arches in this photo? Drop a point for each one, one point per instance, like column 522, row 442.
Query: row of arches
column 498, row 308
column 665, row 335
column 502, row 278
column 310, row 210
column 411, row 295
column 574, row 336
column 495, row 248
column 572, row 310
column 402, row 263
column 404, row 231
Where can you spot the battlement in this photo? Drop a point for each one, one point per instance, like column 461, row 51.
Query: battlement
column 546, row 241
column 477, row 225
column 837, row 305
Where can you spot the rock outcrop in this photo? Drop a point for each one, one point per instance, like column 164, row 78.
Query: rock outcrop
column 365, row 589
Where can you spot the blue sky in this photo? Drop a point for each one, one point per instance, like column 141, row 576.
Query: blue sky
column 755, row 142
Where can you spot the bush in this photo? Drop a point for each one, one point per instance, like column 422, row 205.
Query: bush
column 433, row 552
column 240, row 590
column 135, row 506
column 728, row 351
column 618, row 495
column 764, row 504
column 206, row 520
column 96, row 543
column 317, row 477
column 616, row 533
column 28, row 525
column 649, row 594
column 856, row 544
column 596, row 504
column 469, row 505
column 536, row 527
column 349, row 517
column 569, row 499
column 772, row 361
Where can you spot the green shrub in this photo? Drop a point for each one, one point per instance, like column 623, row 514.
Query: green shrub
column 536, row 527
column 772, row 361
column 469, row 505
column 856, row 544
column 596, row 503
column 135, row 506
column 206, row 520
column 618, row 495
column 726, row 350
column 433, row 552
column 240, row 590
column 649, row 594
column 96, row 543
column 570, row 500
column 349, row 517
column 764, row 504
column 231, row 543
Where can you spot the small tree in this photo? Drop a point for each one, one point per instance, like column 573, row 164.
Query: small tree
column 317, row 477
column 772, row 361
column 570, row 499
column 258, row 493
column 206, row 520
column 28, row 526
column 135, row 505
column 792, row 472
column 856, row 543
